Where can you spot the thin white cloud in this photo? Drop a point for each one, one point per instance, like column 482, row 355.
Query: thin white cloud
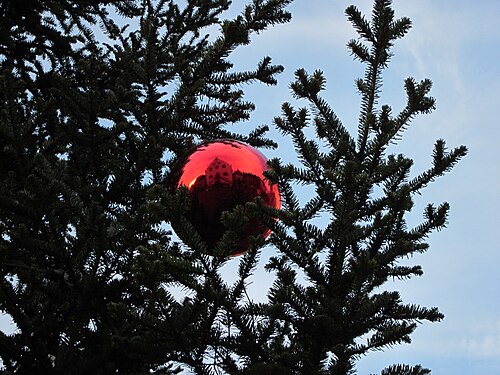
column 470, row 338
column 481, row 340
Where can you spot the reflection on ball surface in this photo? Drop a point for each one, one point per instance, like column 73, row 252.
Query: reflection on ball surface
column 219, row 176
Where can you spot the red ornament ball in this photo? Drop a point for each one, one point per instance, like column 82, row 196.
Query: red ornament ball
column 219, row 176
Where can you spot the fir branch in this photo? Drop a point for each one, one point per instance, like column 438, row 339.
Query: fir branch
column 405, row 370
column 380, row 34
column 361, row 25
column 328, row 125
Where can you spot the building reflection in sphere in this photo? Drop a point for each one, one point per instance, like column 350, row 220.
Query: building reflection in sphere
column 219, row 176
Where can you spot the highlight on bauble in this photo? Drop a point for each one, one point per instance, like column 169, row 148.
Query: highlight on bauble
column 220, row 175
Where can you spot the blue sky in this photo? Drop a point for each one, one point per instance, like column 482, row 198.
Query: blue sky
column 457, row 45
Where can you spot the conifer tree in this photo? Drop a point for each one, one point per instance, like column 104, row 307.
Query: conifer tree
column 90, row 127
column 340, row 313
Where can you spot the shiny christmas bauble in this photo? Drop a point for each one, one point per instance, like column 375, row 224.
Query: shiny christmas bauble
column 220, row 175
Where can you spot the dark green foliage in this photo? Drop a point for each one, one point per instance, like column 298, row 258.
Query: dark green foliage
column 338, row 313
column 89, row 129
column 405, row 370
